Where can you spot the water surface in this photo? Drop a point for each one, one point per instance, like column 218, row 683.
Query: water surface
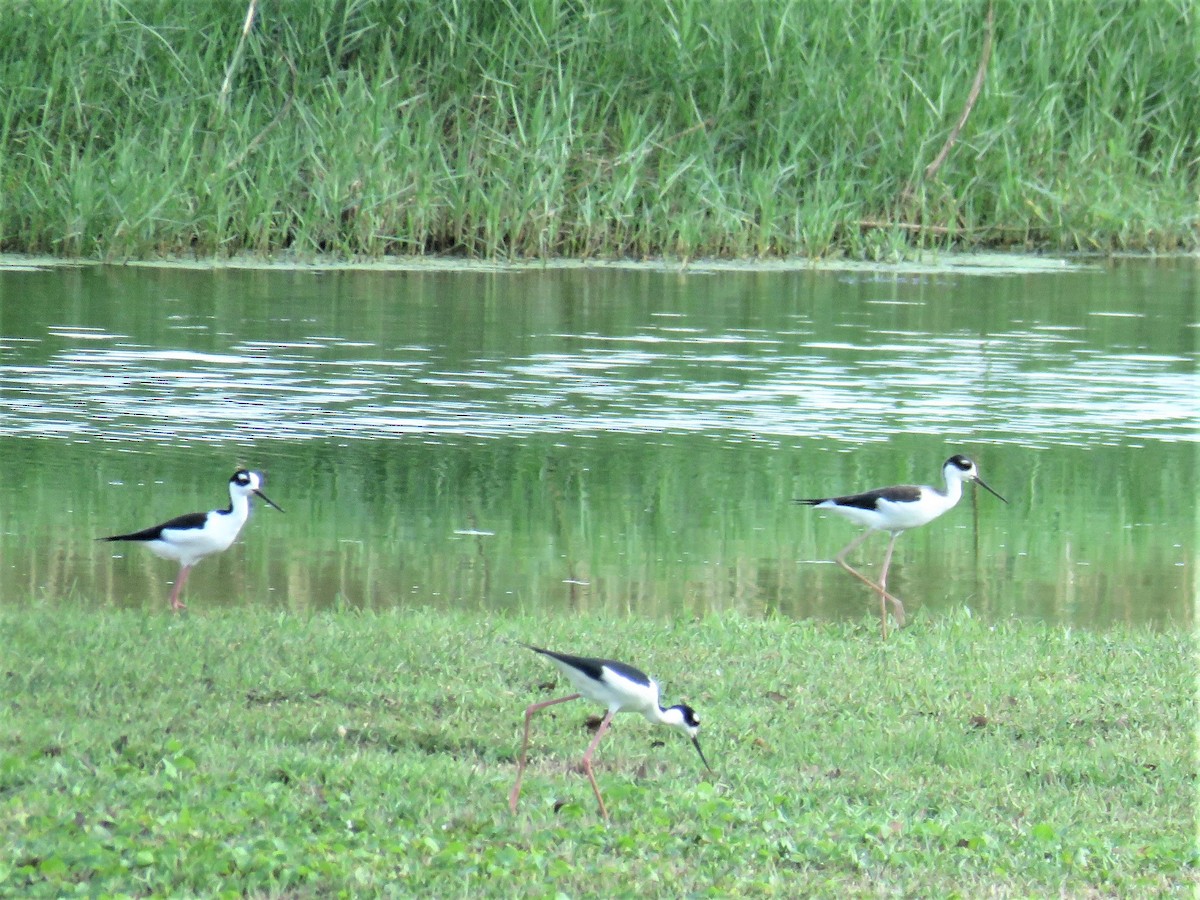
column 612, row 439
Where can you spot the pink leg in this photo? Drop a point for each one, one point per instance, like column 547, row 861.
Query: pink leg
column 878, row 588
column 176, row 603
column 587, row 760
column 515, row 794
column 884, row 596
column 841, row 561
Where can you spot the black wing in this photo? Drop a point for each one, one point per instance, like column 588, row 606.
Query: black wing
column 901, row 493
column 594, row 668
column 179, row 523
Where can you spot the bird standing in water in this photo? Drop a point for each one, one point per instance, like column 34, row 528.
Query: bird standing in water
column 190, row 538
column 895, row 510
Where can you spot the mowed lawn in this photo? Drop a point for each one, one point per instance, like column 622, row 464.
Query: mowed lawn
column 240, row 751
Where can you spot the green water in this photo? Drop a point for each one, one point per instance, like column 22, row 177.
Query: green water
column 605, row 439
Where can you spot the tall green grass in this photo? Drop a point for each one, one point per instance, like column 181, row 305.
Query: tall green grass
column 248, row 753
column 500, row 128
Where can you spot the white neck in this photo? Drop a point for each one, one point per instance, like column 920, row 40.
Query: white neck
column 953, row 492
column 658, row 715
column 239, row 505
column 671, row 717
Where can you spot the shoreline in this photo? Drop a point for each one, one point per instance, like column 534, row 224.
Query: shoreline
column 976, row 263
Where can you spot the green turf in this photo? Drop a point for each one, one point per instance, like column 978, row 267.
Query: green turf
column 239, row 752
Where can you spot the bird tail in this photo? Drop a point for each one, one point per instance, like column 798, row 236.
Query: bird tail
column 147, row 534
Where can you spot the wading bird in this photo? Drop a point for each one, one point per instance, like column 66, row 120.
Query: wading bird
column 621, row 688
column 190, row 538
column 895, row 510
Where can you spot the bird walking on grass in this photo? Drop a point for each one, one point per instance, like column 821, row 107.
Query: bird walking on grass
column 190, row 538
column 895, row 510
column 621, row 688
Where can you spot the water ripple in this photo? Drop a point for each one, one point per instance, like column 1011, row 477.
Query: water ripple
column 1036, row 387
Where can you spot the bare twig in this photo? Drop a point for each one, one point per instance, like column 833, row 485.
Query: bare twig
column 985, row 56
column 906, row 226
column 283, row 110
column 235, row 60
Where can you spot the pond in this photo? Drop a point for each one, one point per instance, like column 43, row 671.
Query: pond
column 625, row 440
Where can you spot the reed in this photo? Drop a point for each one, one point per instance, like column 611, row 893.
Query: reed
column 548, row 128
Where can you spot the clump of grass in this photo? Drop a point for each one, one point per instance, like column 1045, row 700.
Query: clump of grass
column 247, row 752
column 543, row 128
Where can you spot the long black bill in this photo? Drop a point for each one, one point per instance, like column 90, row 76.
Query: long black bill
column 280, row 508
column 696, row 744
column 982, row 482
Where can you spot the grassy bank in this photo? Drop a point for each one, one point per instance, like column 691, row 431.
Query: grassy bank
column 551, row 128
column 246, row 752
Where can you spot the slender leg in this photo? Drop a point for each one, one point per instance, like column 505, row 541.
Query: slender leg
column 587, row 760
column 840, row 559
column 176, row 603
column 884, row 596
column 529, row 711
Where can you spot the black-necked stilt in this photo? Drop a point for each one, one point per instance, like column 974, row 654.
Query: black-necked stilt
column 895, row 510
column 188, row 539
column 621, row 688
